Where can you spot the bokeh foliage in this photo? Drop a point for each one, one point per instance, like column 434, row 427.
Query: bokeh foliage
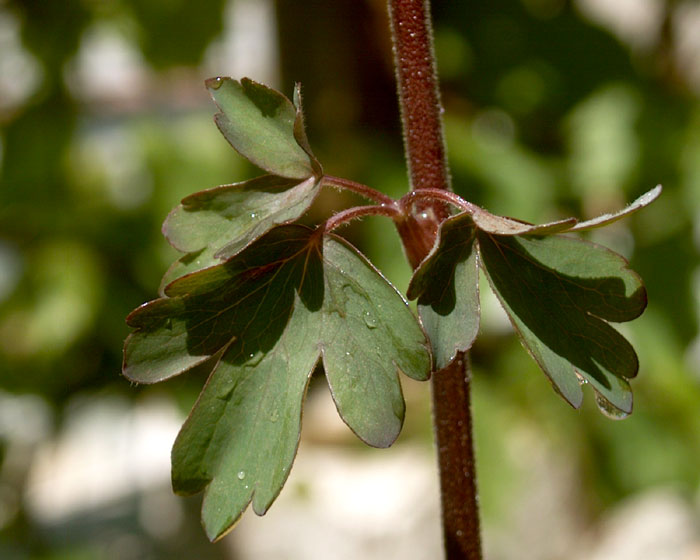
column 548, row 114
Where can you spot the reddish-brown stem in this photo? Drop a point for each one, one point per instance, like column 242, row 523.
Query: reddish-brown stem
column 419, row 94
column 345, row 216
column 425, row 151
column 363, row 190
column 454, row 438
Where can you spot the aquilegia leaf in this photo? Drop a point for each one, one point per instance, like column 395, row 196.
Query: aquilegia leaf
column 269, row 314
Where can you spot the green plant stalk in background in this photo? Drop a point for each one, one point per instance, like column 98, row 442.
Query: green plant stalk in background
column 260, row 300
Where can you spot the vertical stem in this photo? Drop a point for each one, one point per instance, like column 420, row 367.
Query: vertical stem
column 419, row 94
column 453, row 434
column 419, row 101
column 421, row 110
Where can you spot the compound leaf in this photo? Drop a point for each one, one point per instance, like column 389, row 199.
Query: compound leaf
column 261, row 124
column 269, row 314
column 447, row 287
column 559, row 293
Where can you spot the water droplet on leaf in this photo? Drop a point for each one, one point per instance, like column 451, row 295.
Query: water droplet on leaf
column 215, row 83
column 274, row 416
column 370, row 320
column 581, row 379
column 607, row 408
column 241, row 475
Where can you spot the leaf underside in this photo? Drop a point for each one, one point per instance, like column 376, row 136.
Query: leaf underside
column 273, row 311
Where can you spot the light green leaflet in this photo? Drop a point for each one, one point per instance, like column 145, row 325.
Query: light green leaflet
column 263, row 126
column 290, row 299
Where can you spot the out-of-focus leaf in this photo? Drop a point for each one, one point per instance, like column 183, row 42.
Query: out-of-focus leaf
column 217, row 223
column 447, row 287
column 163, row 25
column 270, row 313
column 559, row 292
column 263, row 126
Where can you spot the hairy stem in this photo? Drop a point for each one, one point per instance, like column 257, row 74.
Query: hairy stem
column 425, row 152
column 454, row 436
column 358, row 188
column 345, row 216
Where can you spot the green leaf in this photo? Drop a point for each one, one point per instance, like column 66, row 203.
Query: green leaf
column 263, row 125
column 447, row 287
column 215, row 224
column 269, row 314
column 559, row 293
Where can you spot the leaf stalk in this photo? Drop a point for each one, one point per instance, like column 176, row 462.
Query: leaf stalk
column 358, row 188
column 345, row 216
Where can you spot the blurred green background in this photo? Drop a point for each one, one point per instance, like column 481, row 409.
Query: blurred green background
column 553, row 108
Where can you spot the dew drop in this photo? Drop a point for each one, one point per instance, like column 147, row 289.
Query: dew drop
column 274, row 416
column 253, row 215
column 581, row 379
column 241, row 475
column 608, row 409
column 215, row 83
column 370, row 320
